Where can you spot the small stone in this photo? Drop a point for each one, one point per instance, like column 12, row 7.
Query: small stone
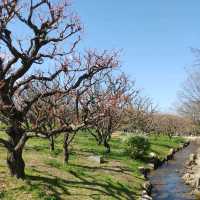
column 171, row 151
column 186, row 144
column 154, row 159
column 186, row 176
column 193, row 157
column 144, row 192
column 197, row 182
column 147, row 187
column 97, row 159
column 152, row 155
column 170, row 154
column 144, row 171
column 146, row 197
column 151, row 166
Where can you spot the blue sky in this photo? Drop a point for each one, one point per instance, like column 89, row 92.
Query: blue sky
column 156, row 37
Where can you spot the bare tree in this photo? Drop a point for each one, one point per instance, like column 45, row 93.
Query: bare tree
column 139, row 115
column 189, row 96
column 42, row 64
column 104, row 104
column 172, row 125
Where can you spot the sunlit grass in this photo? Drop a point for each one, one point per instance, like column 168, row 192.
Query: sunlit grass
column 48, row 179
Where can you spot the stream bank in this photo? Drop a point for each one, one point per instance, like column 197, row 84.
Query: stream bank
column 192, row 171
column 167, row 179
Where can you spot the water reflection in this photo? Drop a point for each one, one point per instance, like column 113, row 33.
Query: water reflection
column 167, row 181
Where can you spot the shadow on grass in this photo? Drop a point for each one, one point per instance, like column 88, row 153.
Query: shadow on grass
column 59, row 186
column 114, row 154
column 116, row 169
column 161, row 145
column 37, row 148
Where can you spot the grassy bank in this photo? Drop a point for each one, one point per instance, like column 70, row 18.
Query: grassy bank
column 49, row 179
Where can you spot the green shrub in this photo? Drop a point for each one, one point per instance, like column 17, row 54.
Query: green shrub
column 136, row 146
column 2, row 195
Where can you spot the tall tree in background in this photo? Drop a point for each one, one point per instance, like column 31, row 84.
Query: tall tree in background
column 189, row 96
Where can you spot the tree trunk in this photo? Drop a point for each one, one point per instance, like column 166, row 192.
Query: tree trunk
column 15, row 160
column 100, row 139
column 66, row 155
column 66, row 148
column 51, row 144
column 16, row 164
column 107, row 146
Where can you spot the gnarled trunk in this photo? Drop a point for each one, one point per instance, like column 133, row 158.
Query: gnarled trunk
column 66, row 155
column 107, row 145
column 15, row 160
column 100, row 139
column 16, row 164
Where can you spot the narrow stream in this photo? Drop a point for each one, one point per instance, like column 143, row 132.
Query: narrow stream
column 167, row 182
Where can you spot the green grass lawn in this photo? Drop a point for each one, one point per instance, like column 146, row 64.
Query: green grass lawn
column 48, row 179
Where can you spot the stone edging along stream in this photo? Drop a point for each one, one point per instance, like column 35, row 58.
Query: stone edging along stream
column 192, row 172
column 155, row 163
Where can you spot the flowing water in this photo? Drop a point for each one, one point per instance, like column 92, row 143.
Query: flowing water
column 167, row 182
